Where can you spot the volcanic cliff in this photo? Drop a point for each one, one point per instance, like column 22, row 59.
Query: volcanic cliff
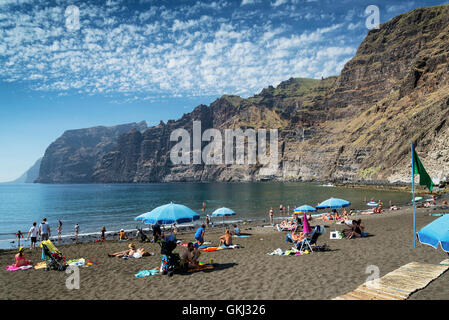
column 353, row 127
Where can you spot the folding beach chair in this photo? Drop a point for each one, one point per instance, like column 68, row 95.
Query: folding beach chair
column 308, row 242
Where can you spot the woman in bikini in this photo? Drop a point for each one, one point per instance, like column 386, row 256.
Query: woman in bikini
column 20, row 258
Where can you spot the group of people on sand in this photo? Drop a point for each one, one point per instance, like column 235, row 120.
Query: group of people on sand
column 282, row 211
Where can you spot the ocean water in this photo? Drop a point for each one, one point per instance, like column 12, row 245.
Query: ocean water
column 115, row 205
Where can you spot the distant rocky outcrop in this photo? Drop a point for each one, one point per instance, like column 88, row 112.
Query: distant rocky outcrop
column 354, row 127
column 72, row 158
column 31, row 174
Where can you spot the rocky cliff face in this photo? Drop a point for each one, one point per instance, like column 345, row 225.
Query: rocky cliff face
column 354, row 127
column 30, row 175
column 72, row 158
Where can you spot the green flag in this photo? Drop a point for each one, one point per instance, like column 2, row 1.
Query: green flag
column 424, row 178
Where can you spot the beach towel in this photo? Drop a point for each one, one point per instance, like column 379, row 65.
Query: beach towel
column 232, row 246
column 146, row 273
column 210, row 249
column 14, row 268
column 242, row 236
column 40, row 265
column 277, row 252
column 201, row 267
column 77, row 262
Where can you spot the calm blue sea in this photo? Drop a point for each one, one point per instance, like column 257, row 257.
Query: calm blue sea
column 115, row 205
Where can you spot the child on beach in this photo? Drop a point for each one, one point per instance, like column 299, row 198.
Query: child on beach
column 77, row 230
column 33, row 233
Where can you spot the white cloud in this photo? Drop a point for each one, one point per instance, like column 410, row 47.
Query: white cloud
column 162, row 51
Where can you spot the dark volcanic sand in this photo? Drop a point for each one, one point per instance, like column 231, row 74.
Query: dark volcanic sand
column 246, row 273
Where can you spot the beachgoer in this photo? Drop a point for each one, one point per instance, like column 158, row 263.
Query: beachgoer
column 187, row 257
column 131, row 250
column 175, row 230
column 207, row 220
column 295, row 236
column 59, row 228
column 199, row 234
column 157, row 233
column 103, row 233
column 236, row 230
column 33, row 233
column 281, row 210
column 77, row 230
column 445, row 202
column 122, row 235
column 226, row 239
column 204, row 207
column 434, row 202
column 44, row 230
column 20, row 258
column 271, row 215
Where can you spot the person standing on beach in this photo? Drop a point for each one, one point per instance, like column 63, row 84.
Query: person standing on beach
column 33, row 233
column 207, row 220
column 44, row 230
column 77, row 230
column 271, row 214
column 281, row 210
column 103, row 233
column 59, row 230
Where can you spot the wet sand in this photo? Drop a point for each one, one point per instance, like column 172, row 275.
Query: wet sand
column 245, row 273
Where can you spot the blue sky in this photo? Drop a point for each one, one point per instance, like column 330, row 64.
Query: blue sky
column 133, row 60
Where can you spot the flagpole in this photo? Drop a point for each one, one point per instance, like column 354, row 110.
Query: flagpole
column 413, row 192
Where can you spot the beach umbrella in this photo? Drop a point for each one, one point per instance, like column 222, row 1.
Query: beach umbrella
column 436, row 232
column 223, row 212
column 372, row 204
column 304, row 208
column 169, row 214
column 306, row 226
column 333, row 203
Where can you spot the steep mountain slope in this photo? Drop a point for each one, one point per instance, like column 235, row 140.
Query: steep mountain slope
column 73, row 156
column 30, row 175
column 354, row 127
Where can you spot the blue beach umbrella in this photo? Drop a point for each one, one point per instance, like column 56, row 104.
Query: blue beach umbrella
column 223, row 212
column 372, row 204
column 436, row 232
column 169, row 214
column 304, row 208
column 333, row 203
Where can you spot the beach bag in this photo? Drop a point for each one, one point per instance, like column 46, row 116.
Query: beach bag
column 336, row 235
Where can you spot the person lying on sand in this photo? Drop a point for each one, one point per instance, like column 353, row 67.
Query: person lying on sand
column 20, row 258
column 226, row 239
column 131, row 251
column 189, row 259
